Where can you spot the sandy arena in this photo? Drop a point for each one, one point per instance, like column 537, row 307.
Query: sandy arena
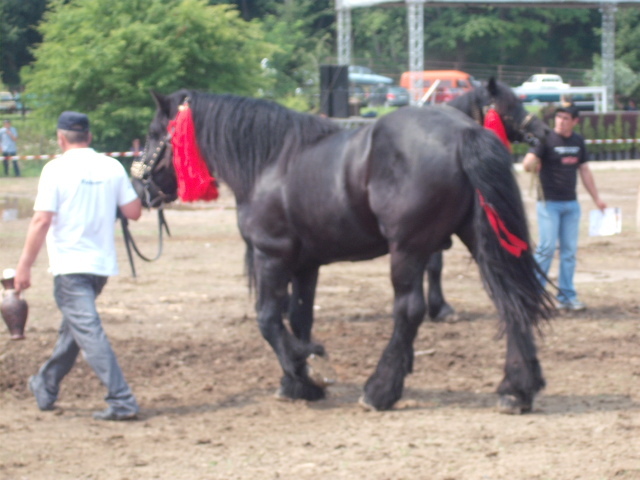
column 186, row 337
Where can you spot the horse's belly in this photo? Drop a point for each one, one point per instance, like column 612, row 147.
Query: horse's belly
column 340, row 241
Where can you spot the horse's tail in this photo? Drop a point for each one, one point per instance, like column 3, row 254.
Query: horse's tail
column 503, row 248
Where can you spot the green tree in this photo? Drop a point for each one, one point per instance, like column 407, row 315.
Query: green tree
column 551, row 37
column 103, row 57
column 627, row 82
column 303, row 42
column 17, row 35
column 380, row 38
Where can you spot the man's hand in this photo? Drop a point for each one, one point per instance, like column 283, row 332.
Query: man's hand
column 22, row 280
column 531, row 163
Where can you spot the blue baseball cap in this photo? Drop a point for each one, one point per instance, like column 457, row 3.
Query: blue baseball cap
column 73, row 121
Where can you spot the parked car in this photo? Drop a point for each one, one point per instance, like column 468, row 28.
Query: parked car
column 541, row 87
column 365, row 76
column 8, row 103
column 389, row 96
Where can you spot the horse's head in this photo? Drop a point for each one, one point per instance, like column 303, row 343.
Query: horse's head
column 153, row 175
column 519, row 124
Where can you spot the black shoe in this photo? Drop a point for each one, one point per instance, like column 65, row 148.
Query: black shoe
column 110, row 415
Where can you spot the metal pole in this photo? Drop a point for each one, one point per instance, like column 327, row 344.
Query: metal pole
column 608, row 11
column 415, row 19
column 344, row 33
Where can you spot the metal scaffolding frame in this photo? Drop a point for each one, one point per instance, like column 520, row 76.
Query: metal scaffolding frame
column 415, row 21
column 608, row 50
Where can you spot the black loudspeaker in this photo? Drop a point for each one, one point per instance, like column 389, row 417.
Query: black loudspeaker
column 334, row 90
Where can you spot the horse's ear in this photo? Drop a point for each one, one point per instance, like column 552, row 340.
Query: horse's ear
column 492, row 87
column 163, row 103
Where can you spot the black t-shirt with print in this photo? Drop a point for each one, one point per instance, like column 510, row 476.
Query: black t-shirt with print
column 560, row 157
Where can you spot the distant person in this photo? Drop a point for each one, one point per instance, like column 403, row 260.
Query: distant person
column 8, row 141
column 558, row 160
column 75, row 211
column 135, row 147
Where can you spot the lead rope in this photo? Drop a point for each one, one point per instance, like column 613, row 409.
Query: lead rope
column 130, row 243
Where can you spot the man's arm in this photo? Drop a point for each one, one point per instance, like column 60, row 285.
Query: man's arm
column 531, row 162
column 132, row 210
column 36, row 235
column 589, row 183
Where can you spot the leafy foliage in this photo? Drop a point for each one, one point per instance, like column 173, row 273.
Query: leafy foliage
column 17, row 34
column 297, row 28
column 103, row 57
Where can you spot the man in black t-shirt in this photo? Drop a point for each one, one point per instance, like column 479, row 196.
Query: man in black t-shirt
column 558, row 160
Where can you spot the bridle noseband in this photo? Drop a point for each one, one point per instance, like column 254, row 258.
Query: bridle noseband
column 521, row 127
column 142, row 171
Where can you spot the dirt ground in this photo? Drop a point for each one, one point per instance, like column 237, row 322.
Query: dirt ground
column 186, row 337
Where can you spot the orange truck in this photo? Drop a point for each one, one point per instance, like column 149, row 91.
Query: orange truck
column 453, row 83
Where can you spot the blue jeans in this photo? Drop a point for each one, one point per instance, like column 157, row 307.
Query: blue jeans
column 81, row 329
column 558, row 226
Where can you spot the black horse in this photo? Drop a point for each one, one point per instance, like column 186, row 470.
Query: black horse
column 309, row 193
column 520, row 126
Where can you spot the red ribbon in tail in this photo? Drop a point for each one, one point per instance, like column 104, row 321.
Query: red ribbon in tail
column 493, row 122
column 194, row 180
column 510, row 242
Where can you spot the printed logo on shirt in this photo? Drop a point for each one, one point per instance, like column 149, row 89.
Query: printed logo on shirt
column 567, row 150
column 569, row 154
column 91, row 182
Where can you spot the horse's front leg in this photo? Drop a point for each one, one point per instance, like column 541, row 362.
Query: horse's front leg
column 303, row 292
column 439, row 309
column 384, row 388
column 272, row 281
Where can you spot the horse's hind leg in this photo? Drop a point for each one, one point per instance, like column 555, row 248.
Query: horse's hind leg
column 439, row 309
column 522, row 373
column 384, row 387
column 292, row 353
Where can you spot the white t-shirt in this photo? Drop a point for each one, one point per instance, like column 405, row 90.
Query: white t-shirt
column 83, row 188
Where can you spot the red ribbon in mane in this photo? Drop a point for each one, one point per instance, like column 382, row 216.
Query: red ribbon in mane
column 493, row 122
column 194, row 180
column 510, row 242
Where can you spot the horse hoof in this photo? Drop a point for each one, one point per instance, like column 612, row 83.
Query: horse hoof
column 319, row 371
column 446, row 314
column 366, row 406
column 511, row 405
column 281, row 397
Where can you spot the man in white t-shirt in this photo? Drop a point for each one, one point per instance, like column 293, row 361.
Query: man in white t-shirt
column 75, row 212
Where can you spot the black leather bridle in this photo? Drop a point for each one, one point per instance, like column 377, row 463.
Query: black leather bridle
column 143, row 173
column 478, row 113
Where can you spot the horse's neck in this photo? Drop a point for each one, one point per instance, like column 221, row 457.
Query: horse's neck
column 470, row 105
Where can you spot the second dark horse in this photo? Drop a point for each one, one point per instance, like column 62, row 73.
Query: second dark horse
column 520, row 126
column 309, row 193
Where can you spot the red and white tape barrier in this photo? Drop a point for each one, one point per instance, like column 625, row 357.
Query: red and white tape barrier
column 49, row 157
column 599, row 141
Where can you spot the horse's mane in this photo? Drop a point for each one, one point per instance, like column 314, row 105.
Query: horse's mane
column 240, row 136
